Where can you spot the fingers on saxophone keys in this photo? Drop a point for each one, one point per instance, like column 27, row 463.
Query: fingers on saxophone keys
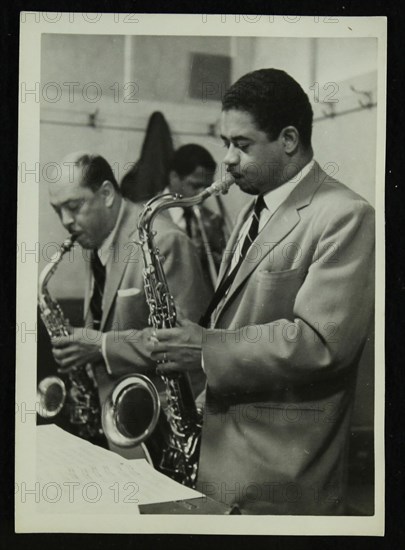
column 64, row 364
column 64, row 370
column 160, row 357
column 58, row 355
column 153, row 336
column 170, row 366
column 157, row 350
column 60, row 341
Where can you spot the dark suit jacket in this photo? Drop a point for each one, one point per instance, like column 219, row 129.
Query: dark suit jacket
column 281, row 361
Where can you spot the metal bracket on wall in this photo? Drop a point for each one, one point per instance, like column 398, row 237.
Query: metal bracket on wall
column 367, row 95
column 93, row 119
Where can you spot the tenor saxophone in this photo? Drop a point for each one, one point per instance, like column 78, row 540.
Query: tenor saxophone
column 180, row 457
column 75, row 391
column 178, row 420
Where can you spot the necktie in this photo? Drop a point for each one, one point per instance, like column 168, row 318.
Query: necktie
column 228, row 279
column 98, row 289
column 188, row 217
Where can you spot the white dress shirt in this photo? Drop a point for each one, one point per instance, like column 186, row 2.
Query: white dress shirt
column 273, row 200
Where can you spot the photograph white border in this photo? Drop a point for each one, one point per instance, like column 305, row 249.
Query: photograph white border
column 32, row 26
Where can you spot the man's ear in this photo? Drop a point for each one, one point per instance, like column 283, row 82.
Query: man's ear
column 290, row 139
column 108, row 192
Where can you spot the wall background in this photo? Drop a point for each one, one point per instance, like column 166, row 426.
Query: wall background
column 86, row 74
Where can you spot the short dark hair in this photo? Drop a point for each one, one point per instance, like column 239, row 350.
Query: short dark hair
column 275, row 100
column 95, row 170
column 188, row 157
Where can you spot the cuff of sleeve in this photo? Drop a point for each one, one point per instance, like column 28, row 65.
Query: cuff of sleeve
column 104, row 352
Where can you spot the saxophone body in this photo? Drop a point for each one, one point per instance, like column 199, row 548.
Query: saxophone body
column 180, row 455
column 166, row 425
column 74, row 391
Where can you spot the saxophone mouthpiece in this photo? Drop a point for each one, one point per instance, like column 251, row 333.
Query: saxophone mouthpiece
column 222, row 185
column 68, row 243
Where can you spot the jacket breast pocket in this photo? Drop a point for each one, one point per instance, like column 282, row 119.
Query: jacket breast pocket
column 270, row 279
column 275, row 293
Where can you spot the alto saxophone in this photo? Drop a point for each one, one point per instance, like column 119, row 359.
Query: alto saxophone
column 77, row 389
column 134, row 414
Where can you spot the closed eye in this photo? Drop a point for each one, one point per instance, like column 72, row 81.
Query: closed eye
column 73, row 206
column 243, row 147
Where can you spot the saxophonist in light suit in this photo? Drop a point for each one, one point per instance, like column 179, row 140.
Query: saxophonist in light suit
column 281, row 341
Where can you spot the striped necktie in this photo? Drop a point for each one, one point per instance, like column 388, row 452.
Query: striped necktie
column 228, row 279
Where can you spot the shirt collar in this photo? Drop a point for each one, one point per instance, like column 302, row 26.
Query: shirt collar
column 105, row 249
column 276, row 197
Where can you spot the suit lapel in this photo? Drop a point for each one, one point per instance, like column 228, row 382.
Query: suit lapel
column 116, row 264
column 276, row 229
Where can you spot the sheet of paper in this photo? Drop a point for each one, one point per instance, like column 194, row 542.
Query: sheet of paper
column 76, row 476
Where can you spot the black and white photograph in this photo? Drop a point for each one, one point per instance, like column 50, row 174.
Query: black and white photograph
column 201, row 263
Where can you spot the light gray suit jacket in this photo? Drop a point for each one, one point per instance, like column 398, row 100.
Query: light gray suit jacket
column 125, row 310
column 282, row 359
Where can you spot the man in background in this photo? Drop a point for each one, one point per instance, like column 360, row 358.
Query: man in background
column 89, row 204
column 192, row 169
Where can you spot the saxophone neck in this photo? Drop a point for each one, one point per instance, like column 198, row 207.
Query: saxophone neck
column 164, row 202
column 51, row 267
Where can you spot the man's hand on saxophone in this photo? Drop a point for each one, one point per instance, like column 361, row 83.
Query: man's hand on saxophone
column 82, row 346
column 176, row 349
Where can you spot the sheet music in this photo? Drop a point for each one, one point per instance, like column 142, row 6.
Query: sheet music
column 76, row 476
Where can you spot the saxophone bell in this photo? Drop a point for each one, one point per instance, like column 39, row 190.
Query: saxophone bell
column 51, row 395
column 131, row 412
